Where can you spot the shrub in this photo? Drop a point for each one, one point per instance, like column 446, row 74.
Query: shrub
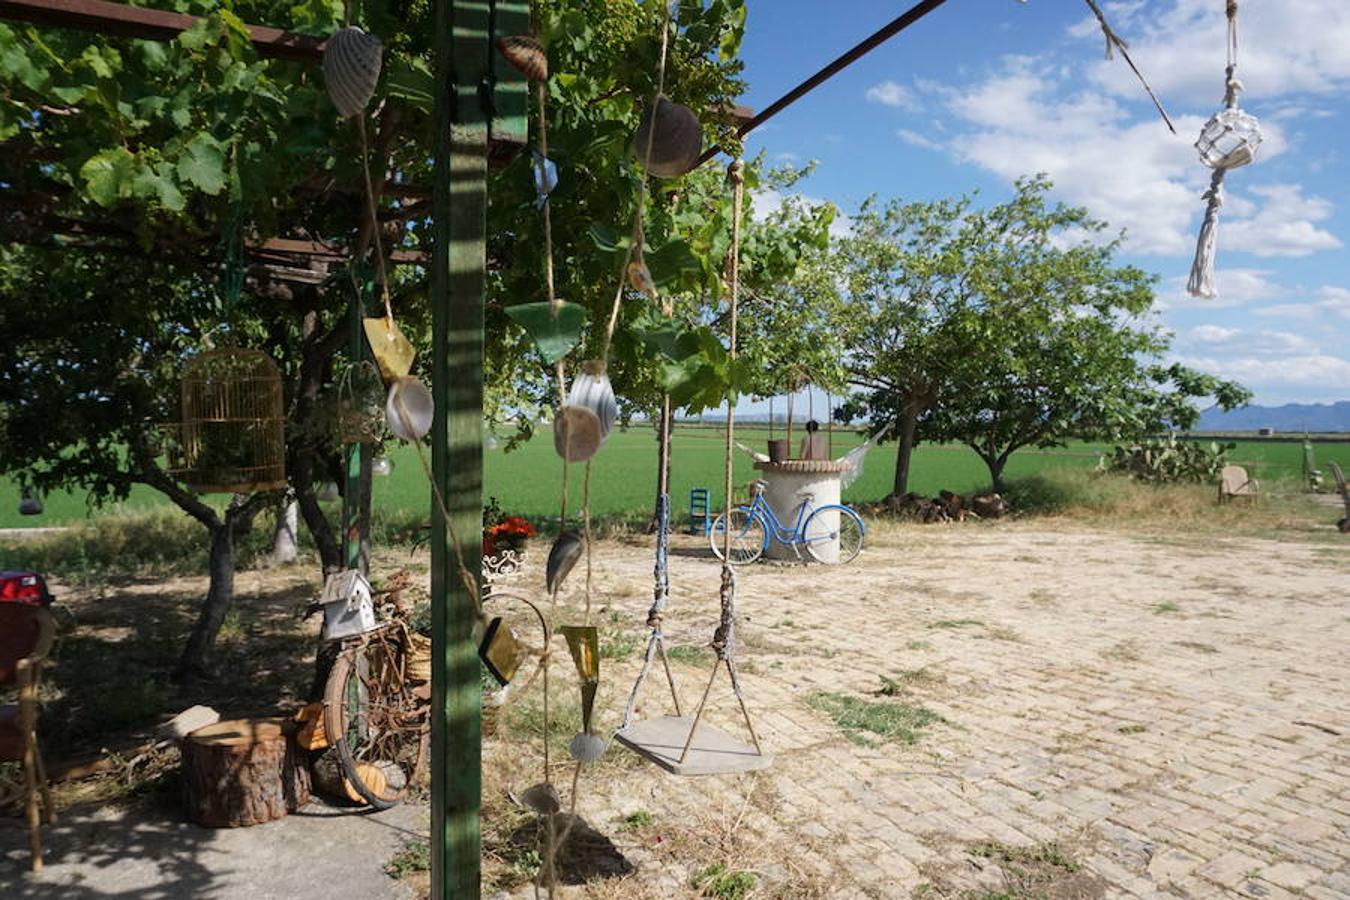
column 1169, row 461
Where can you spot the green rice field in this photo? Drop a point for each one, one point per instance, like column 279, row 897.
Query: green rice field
column 623, row 475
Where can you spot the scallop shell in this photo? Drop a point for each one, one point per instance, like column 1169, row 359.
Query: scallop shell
column 562, row 557
column 409, row 409
column 351, row 69
column 576, row 433
column 586, row 748
column 676, row 140
column 526, row 54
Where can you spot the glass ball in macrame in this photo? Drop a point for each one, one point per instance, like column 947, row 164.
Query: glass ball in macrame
column 1229, row 139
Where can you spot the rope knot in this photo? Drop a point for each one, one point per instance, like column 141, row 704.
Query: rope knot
column 736, row 172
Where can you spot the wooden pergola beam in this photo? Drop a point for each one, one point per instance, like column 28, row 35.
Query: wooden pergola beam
column 119, row 19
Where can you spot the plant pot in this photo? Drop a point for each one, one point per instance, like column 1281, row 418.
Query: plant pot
column 778, row 450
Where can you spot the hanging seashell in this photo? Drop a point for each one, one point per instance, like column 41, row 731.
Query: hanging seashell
column 526, row 54
column 586, row 748
column 351, row 69
column 382, row 465
column 545, row 178
column 640, row 278
column 329, row 492
column 409, row 409
column 585, row 419
column 676, row 139
column 576, row 433
column 562, row 557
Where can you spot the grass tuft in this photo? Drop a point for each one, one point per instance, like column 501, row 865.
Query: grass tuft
column 872, row 723
column 722, row 883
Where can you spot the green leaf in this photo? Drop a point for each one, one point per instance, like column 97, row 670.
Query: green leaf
column 157, row 184
column 108, row 175
column 410, row 81
column 672, row 263
column 555, row 336
column 203, row 164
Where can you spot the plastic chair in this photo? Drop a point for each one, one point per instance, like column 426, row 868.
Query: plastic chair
column 26, row 635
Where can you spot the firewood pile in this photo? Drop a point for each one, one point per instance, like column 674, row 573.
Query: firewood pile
column 945, row 507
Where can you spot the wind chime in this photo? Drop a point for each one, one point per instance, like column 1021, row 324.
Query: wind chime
column 1229, row 140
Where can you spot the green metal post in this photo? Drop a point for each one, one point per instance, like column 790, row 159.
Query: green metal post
column 458, row 280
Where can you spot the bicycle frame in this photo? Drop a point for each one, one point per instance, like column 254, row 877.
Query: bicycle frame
column 776, row 531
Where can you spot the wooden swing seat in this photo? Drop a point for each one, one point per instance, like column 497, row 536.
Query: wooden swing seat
column 714, row 752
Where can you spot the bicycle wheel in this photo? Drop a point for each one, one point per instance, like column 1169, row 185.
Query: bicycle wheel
column 375, row 721
column 833, row 535
column 749, row 537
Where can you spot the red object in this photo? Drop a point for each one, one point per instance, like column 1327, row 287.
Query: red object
column 25, row 588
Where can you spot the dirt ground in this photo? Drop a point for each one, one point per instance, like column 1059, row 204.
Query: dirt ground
column 1023, row 709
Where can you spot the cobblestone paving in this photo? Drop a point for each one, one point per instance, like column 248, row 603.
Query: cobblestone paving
column 1171, row 715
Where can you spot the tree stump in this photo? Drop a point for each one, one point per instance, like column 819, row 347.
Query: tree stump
column 242, row 772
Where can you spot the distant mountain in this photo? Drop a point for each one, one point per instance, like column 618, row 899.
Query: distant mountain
column 1292, row 417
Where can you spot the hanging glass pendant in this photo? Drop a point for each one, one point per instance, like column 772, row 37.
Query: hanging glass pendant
column 1229, row 139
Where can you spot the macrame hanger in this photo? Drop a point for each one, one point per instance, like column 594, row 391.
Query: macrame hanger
column 1228, row 140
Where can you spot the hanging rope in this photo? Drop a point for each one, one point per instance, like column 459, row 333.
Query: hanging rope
column 724, row 638
column 1229, row 140
column 1115, row 42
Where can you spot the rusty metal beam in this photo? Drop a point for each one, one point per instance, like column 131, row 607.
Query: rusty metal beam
column 118, row 19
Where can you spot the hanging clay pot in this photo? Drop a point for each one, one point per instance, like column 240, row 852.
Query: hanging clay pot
column 543, row 798
column 409, row 409
column 351, row 69
column 585, row 419
column 676, row 139
column 526, row 54
column 29, row 503
column 562, row 556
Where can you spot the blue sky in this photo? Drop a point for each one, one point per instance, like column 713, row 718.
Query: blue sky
column 982, row 91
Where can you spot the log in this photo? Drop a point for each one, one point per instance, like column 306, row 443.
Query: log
column 242, row 772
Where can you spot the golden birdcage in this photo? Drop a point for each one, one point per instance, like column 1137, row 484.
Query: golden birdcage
column 232, row 439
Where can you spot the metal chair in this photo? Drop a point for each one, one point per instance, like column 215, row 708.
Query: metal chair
column 26, row 635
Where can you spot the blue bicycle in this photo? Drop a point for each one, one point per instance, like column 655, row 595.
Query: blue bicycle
column 832, row 533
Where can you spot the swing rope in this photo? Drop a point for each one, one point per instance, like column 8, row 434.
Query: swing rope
column 724, row 638
column 656, row 642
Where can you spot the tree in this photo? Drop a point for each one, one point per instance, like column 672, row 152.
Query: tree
column 152, row 160
column 1009, row 327
column 909, row 287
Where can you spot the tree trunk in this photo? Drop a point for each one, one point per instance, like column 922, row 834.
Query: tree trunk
column 243, row 772
column 219, row 597
column 330, row 554
column 909, row 419
column 995, row 463
column 284, row 545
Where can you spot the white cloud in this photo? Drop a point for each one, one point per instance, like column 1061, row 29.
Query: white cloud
column 893, row 94
column 1321, row 371
column 1236, row 287
column 1282, row 226
column 765, row 203
column 915, row 139
column 1284, row 48
column 1218, row 339
column 1333, row 301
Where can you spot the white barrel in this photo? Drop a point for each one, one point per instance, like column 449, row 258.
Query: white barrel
column 787, row 482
